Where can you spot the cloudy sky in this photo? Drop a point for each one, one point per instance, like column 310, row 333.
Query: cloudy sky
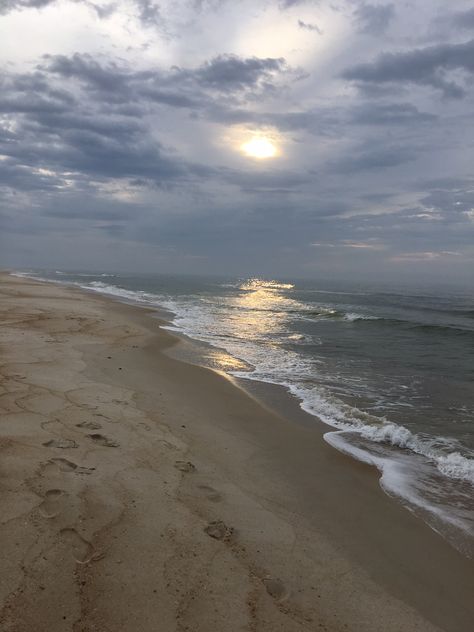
column 327, row 139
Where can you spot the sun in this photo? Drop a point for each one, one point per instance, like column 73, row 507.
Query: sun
column 260, row 147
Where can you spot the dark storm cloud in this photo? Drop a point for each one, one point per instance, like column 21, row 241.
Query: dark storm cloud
column 423, row 66
column 374, row 18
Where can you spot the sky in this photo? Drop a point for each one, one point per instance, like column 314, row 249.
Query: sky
column 281, row 138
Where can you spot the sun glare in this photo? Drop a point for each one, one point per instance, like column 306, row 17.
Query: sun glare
column 259, row 147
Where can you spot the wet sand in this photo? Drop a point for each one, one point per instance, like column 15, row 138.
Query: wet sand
column 142, row 493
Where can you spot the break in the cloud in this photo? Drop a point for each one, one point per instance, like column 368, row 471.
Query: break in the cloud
column 121, row 128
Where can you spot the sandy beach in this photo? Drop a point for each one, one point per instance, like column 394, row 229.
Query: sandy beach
column 142, row 493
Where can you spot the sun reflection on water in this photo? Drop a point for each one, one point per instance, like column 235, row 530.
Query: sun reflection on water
column 260, row 310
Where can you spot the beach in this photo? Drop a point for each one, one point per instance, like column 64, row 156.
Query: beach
column 141, row 492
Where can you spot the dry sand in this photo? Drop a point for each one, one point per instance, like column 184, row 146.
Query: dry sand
column 140, row 493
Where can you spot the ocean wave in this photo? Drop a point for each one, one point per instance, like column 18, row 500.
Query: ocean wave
column 297, row 337
column 413, row 481
column 24, row 275
column 353, row 317
column 443, row 452
column 454, row 464
column 137, row 296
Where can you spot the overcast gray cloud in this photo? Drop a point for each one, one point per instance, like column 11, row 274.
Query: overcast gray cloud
column 464, row 19
column 115, row 134
column 374, row 18
column 432, row 66
column 11, row 5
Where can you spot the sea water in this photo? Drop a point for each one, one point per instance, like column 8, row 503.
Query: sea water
column 390, row 371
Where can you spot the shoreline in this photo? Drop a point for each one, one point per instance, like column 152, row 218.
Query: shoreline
column 309, row 541
column 396, row 469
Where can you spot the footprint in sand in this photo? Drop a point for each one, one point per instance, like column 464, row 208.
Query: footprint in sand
column 64, row 465
column 60, row 443
column 210, row 493
column 58, row 464
column 103, row 440
column 276, row 588
column 219, row 530
column 185, row 466
column 52, row 503
column 82, row 550
column 90, row 425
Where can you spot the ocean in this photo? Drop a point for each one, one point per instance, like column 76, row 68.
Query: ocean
column 389, row 371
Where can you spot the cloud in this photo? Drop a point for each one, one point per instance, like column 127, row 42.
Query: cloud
column 463, row 19
column 358, row 245
column 450, row 201
column 309, row 26
column 76, row 120
column 13, row 5
column 288, row 4
column 265, row 180
column 178, row 86
column 131, row 144
column 232, row 73
column 423, row 66
column 374, row 19
column 53, row 130
column 416, row 257
column 148, row 12
column 373, row 159
column 390, row 114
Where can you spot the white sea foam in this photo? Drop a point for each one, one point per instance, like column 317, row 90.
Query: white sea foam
column 24, row 275
column 412, row 480
column 455, row 465
column 113, row 290
column 441, row 451
column 352, row 317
